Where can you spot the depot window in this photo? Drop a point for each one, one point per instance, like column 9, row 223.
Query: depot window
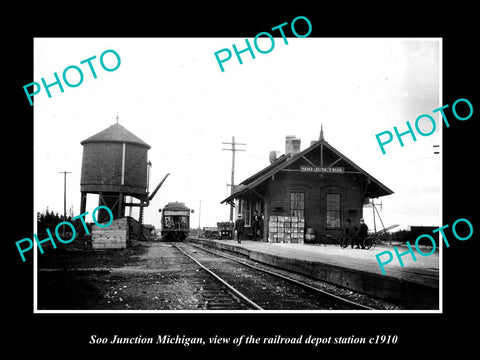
column 333, row 211
column 246, row 211
column 297, row 204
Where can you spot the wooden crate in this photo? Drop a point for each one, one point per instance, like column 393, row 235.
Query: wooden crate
column 115, row 236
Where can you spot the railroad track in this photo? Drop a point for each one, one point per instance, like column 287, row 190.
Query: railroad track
column 262, row 289
column 232, row 299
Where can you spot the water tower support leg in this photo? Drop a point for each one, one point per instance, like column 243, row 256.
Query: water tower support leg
column 83, row 206
column 83, row 202
column 120, row 206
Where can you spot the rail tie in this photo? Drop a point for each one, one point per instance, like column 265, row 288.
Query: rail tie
column 227, row 285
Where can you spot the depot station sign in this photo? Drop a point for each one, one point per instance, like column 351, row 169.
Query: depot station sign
column 322, row 169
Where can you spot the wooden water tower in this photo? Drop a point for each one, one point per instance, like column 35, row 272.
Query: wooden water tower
column 114, row 165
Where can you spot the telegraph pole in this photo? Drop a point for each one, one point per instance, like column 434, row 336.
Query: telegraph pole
column 64, row 198
column 233, row 150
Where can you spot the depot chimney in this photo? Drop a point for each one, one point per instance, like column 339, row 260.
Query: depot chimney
column 292, row 145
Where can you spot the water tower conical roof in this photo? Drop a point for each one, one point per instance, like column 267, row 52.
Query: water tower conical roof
column 116, row 133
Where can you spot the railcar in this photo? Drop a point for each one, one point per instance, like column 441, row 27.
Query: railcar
column 175, row 221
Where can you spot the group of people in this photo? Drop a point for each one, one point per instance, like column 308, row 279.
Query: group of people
column 257, row 226
column 355, row 235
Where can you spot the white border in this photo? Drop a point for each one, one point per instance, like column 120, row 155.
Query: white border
column 206, row 312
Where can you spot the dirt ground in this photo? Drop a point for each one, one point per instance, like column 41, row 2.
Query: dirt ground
column 144, row 276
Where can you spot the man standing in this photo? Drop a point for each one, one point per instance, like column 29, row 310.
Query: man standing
column 239, row 227
column 362, row 233
column 350, row 232
column 256, row 225
column 260, row 224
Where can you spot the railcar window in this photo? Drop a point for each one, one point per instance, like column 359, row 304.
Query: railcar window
column 176, row 222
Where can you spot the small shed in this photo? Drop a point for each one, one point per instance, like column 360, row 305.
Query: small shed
column 313, row 190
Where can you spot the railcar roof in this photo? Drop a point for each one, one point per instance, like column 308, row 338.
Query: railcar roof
column 176, row 206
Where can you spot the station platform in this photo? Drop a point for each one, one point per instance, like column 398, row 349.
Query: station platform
column 414, row 286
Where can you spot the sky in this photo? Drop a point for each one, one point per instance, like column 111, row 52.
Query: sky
column 171, row 93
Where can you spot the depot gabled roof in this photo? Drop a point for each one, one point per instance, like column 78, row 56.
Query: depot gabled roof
column 116, row 133
column 377, row 189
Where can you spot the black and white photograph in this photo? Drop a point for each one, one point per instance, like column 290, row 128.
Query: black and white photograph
column 274, row 184
column 244, row 163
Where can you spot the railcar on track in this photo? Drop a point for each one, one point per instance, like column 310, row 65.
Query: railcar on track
column 175, row 221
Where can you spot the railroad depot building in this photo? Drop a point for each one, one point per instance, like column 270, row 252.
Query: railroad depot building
column 305, row 192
